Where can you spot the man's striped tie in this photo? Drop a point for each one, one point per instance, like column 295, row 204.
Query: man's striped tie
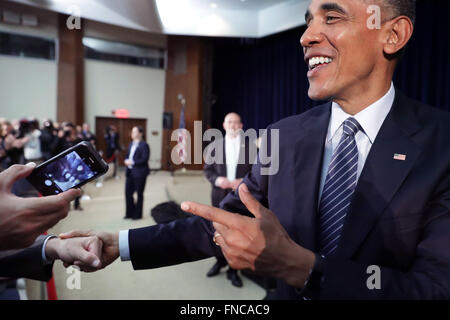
column 339, row 187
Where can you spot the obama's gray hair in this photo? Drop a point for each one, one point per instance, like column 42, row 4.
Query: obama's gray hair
column 399, row 8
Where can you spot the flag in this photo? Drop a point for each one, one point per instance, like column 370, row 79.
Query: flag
column 401, row 157
column 182, row 137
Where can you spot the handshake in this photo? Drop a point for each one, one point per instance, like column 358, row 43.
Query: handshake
column 88, row 250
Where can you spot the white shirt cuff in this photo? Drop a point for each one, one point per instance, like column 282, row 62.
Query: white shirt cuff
column 124, row 248
column 216, row 183
column 44, row 256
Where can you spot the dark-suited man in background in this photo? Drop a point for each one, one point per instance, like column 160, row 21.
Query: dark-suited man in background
column 137, row 171
column 360, row 205
column 112, row 147
column 227, row 176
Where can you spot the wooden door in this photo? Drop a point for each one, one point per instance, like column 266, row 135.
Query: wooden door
column 124, row 127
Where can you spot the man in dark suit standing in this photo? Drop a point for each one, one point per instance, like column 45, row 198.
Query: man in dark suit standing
column 112, row 147
column 358, row 206
column 137, row 171
column 226, row 175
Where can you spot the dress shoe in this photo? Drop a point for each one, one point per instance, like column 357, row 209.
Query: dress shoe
column 136, row 218
column 214, row 270
column 127, row 217
column 233, row 276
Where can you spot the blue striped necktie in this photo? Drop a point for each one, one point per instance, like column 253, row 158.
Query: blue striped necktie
column 339, row 187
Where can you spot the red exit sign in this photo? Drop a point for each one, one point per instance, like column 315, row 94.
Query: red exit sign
column 121, row 113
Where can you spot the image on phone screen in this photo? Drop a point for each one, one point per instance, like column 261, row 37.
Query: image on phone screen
column 68, row 172
column 65, row 173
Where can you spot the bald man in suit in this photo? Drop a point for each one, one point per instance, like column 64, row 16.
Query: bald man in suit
column 226, row 176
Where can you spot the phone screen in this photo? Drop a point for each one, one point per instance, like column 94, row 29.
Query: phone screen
column 65, row 173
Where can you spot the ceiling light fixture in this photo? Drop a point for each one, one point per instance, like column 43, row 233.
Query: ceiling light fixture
column 213, row 5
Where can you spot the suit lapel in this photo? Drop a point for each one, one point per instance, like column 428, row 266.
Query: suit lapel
column 129, row 150
column 382, row 175
column 308, row 156
column 138, row 149
column 243, row 158
column 224, row 165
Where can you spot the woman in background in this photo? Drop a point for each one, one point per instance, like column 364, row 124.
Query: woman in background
column 137, row 171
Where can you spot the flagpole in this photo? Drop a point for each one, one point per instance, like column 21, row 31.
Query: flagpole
column 183, row 108
column 182, row 125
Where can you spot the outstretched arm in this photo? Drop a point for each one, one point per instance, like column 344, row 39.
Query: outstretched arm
column 157, row 246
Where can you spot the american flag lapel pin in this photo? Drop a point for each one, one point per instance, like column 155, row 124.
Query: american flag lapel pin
column 401, row 157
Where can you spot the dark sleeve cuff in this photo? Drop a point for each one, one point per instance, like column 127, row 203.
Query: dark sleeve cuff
column 312, row 285
column 27, row 263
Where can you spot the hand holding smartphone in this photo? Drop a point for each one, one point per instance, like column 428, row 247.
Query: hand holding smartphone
column 70, row 169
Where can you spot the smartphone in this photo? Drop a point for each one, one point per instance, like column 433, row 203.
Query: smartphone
column 70, row 169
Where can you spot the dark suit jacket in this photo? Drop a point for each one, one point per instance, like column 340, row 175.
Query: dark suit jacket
column 399, row 218
column 112, row 144
column 26, row 263
column 140, row 158
column 215, row 170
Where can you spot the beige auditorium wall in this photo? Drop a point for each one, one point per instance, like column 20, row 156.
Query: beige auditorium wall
column 27, row 88
column 110, row 86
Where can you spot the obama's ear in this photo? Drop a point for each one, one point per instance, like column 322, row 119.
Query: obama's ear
column 398, row 33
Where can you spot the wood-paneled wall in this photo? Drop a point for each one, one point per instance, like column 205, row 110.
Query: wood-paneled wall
column 70, row 105
column 184, row 76
column 185, row 72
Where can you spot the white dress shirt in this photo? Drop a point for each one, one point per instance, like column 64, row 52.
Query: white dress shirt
column 371, row 119
column 132, row 152
column 232, row 148
column 44, row 246
column 232, row 152
column 124, row 248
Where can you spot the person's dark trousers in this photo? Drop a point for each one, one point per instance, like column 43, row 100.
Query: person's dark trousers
column 134, row 184
column 115, row 163
column 77, row 203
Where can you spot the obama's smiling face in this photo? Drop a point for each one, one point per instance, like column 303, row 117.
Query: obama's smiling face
column 345, row 57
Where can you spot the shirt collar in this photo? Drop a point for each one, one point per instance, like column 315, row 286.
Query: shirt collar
column 371, row 118
column 233, row 139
